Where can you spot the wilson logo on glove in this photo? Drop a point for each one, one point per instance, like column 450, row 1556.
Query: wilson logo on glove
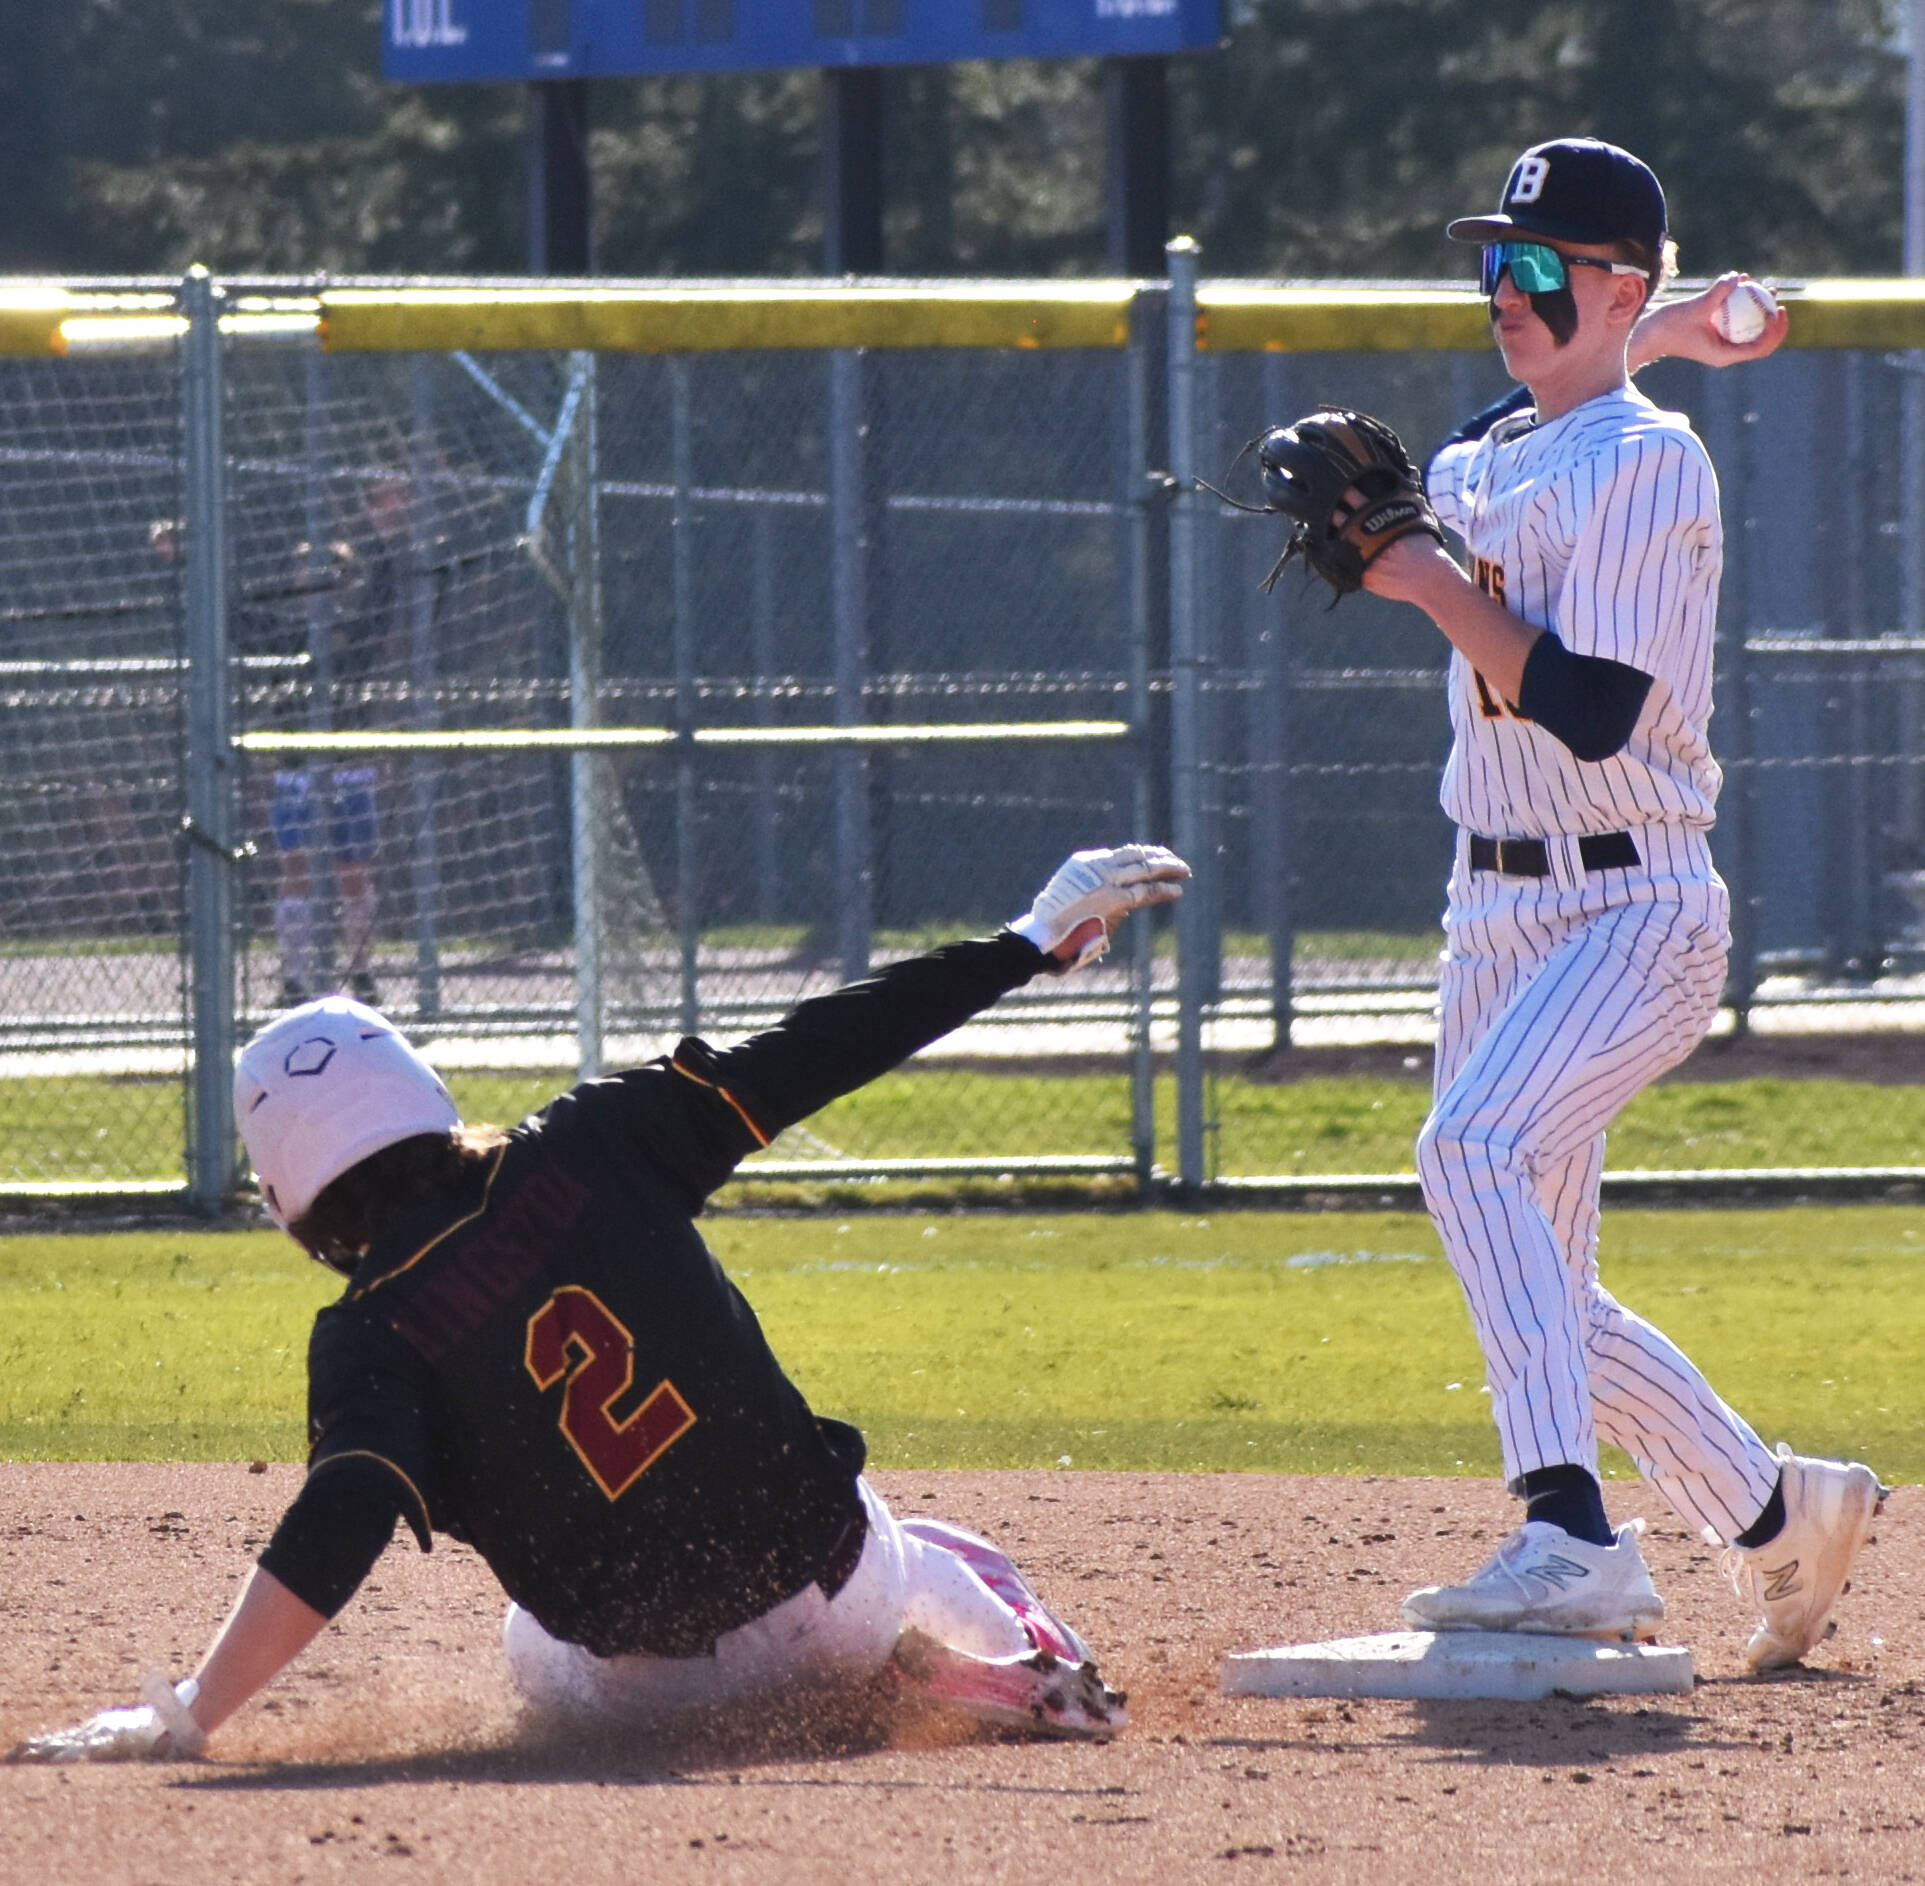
column 1348, row 489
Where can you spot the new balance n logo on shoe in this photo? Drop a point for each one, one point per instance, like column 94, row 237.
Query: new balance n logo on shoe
column 1783, row 1583
column 1543, row 1579
column 1557, row 1572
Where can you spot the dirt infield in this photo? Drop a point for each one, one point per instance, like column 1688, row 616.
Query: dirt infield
column 394, row 1749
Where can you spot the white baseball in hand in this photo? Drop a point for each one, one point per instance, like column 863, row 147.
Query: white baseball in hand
column 1745, row 313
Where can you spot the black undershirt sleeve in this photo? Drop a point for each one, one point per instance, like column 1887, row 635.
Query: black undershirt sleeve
column 1480, row 423
column 835, row 1043
column 1586, row 701
column 700, row 1111
column 339, row 1525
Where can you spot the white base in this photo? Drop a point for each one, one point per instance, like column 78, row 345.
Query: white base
column 1513, row 1666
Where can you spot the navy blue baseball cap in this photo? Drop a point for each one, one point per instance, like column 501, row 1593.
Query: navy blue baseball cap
column 1574, row 190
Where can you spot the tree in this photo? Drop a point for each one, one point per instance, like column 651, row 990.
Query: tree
column 1337, row 136
column 30, row 222
column 1331, row 138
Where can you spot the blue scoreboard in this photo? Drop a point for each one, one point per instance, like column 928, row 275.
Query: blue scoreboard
column 428, row 40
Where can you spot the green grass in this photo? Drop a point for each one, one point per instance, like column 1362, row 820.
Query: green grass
column 153, row 1346
column 92, row 1128
column 1368, row 1125
column 132, row 1128
column 1134, row 1341
column 1163, row 1341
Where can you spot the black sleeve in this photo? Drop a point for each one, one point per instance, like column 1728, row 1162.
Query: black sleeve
column 838, row 1042
column 339, row 1525
column 697, row 1114
column 368, row 1396
column 1481, row 422
column 1586, row 701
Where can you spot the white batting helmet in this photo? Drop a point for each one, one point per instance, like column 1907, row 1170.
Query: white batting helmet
column 322, row 1087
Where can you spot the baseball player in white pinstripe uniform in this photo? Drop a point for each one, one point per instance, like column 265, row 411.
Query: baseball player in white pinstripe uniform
column 1587, row 929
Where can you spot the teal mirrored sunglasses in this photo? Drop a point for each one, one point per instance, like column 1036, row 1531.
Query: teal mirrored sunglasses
column 1537, row 268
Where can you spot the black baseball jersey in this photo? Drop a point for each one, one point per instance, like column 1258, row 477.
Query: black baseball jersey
column 553, row 1367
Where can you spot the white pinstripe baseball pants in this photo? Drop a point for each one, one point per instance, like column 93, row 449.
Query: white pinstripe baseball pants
column 1562, row 997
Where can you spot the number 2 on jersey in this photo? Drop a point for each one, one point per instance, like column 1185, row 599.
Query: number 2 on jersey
column 575, row 1334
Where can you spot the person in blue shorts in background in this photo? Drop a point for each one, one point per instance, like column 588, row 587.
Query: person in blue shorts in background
column 349, row 594
column 336, row 804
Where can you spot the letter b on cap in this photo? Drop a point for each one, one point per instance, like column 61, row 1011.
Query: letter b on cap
column 1527, row 182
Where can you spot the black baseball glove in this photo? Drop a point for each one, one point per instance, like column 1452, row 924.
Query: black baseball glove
column 1349, row 489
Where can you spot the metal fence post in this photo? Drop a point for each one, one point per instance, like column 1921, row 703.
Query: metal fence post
column 427, row 573
column 209, row 760
column 1270, row 849
column 688, row 889
column 1215, row 764
column 319, row 582
column 1193, row 927
column 765, row 661
column 1723, row 402
column 588, row 824
column 1144, row 446
column 850, row 518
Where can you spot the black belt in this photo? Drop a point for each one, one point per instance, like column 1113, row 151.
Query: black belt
column 840, row 1565
column 1529, row 858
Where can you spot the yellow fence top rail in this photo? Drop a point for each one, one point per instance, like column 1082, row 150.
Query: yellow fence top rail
column 1857, row 313
column 1312, row 317
column 44, row 318
column 664, row 319
column 41, row 318
column 30, row 317
column 1317, row 317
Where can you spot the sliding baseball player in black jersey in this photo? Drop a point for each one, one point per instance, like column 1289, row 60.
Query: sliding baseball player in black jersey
column 536, row 1353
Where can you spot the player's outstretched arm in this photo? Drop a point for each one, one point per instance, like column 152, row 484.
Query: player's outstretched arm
column 1688, row 330
column 268, row 1629
column 327, row 1542
column 835, row 1043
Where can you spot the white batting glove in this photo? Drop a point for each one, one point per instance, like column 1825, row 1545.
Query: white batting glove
column 161, row 1728
column 1092, row 893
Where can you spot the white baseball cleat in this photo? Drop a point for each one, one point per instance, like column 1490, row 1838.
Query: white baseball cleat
column 1794, row 1580
column 1036, row 1694
column 1542, row 1579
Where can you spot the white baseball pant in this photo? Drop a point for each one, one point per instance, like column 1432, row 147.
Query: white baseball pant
column 900, row 1582
column 1562, row 997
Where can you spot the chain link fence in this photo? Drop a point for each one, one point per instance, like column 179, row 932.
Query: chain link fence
column 570, row 673
column 91, row 912
column 743, row 557
column 1324, row 734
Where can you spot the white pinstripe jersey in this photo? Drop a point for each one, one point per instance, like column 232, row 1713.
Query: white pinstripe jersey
column 1601, row 526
